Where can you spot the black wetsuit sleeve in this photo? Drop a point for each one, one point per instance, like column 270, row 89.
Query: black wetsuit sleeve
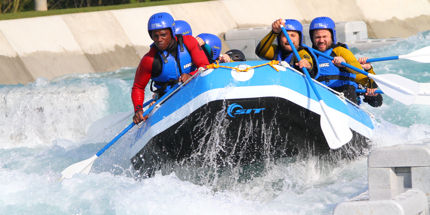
column 374, row 101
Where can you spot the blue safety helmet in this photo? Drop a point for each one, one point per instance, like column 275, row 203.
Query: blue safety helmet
column 294, row 25
column 182, row 27
column 214, row 42
column 161, row 20
column 323, row 22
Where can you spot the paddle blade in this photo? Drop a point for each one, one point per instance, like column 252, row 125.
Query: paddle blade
column 83, row 167
column 397, row 87
column 420, row 55
column 334, row 125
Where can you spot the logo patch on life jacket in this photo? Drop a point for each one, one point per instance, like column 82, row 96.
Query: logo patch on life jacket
column 324, row 64
column 236, row 109
column 187, row 65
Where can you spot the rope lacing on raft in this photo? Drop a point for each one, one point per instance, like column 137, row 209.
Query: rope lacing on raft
column 216, row 65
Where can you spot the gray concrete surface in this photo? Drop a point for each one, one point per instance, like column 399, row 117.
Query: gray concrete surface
column 48, row 47
column 399, row 183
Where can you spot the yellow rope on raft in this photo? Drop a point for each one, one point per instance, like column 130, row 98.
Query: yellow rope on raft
column 216, row 66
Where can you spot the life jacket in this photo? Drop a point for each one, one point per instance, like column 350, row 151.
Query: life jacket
column 172, row 67
column 331, row 75
column 287, row 59
column 290, row 58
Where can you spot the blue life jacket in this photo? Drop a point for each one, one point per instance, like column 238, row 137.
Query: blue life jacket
column 171, row 68
column 331, row 75
column 287, row 59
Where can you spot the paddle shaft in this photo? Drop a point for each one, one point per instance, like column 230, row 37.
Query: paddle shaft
column 364, row 91
column 116, row 138
column 382, row 59
column 343, row 63
column 421, row 55
column 308, row 76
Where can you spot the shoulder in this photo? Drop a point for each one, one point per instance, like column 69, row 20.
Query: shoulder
column 189, row 40
column 341, row 47
column 151, row 53
column 342, row 51
column 148, row 58
column 303, row 49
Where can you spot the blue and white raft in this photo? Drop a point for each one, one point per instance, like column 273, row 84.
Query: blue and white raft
column 228, row 117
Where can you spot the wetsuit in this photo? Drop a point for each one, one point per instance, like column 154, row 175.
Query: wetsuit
column 152, row 65
column 374, row 101
column 269, row 51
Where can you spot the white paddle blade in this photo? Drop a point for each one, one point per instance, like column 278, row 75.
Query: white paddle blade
column 420, row 55
column 421, row 59
column 334, row 126
column 83, row 167
column 397, row 87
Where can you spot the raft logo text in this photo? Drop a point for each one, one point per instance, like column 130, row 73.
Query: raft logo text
column 237, row 109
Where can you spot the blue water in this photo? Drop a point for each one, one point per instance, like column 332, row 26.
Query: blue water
column 46, row 126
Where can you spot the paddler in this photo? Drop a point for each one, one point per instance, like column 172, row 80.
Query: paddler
column 283, row 52
column 168, row 61
column 331, row 73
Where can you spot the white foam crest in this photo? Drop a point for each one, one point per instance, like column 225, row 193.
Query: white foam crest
column 105, row 193
column 388, row 134
column 344, row 181
column 39, row 113
column 169, row 195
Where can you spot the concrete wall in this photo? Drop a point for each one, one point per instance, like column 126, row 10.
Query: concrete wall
column 48, row 47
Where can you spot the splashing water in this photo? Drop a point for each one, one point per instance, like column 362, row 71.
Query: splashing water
column 47, row 125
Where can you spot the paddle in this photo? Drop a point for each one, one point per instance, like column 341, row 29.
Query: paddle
column 421, row 55
column 334, row 124
column 84, row 166
column 397, row 87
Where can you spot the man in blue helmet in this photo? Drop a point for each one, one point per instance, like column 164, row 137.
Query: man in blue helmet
column 211, row 45
column 182, row 27
column 168, row 61
column 283, row 51
column 331, row 73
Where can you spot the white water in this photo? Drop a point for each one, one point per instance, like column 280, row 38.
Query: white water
column 46, row 126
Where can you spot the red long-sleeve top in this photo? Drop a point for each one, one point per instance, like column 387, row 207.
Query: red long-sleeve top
column 149, row 63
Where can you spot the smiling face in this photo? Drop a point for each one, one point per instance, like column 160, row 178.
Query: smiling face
column 322, row 39
column 161, row 38
column 295, row 38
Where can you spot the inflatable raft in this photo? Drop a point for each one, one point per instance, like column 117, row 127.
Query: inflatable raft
column 242, row 112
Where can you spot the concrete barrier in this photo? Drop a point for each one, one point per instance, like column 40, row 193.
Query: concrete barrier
column 53, row 46
column 11, row 66
column 102, row 39
column 399, row 183
column 45, row 47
